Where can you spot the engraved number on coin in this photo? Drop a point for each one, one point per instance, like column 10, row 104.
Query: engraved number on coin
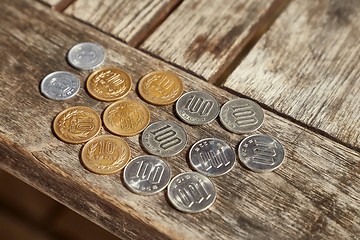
column 81, row 124
column 106, row 149
column 214, row 159
column 148, row 172
column 264, row 153
column 166, row 137
column 193, row 193
column 199, row 105
column 244, row 115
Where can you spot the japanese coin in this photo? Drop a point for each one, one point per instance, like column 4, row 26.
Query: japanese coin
column 212, row 157
column 146, row 175
column 191, row 192
column 105, row 154
column 60, row 85
column 86, row 56
column 126, row 117
column 164, row 138
column 197, row 108
column 108, row 84
column 160, row 87
column 261, row 153
column 77, row 124
column 241, row 115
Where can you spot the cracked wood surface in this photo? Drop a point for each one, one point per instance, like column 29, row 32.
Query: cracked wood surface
column 314, row 194
column 307, row 66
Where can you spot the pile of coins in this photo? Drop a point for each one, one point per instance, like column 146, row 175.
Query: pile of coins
column 149, row 174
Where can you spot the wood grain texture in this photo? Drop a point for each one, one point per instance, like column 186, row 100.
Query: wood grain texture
column 313, row 195
column 129, row 20
column 51, row 2
column 205, row 36
column 308, row 67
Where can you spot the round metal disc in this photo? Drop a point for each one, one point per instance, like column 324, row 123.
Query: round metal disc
column 60, row 85
column 86, row 56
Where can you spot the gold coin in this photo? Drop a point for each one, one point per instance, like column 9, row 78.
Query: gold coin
column 126, row 117
column 105, row 154
column 77, row 124
column 109, row 84
column 160, row 87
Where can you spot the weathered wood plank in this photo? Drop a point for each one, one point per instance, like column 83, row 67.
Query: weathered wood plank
column 50, row 2
column 129, row 20
column 308, row 67
column 313, row 195
column 205, row 36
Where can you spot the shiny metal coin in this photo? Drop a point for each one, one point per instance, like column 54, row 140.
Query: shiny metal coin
column 191, row 192
column 212, row 157
column 146, row 175
column 261, row 153
column 86, row 56
column 60, row 85
column 164, row 138
column 197, row 108
column 241, row 115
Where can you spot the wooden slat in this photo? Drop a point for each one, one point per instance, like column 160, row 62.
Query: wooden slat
column 308, row 67
column 313, row 195
column 129, row 20
column 205, row 36
column 51, row 2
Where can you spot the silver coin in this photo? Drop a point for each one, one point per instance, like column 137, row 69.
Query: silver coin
column 212, row 157
column 164, row 138
column 197, row 108
column 60, row 85
column 86, row 56
column 191, row 192
column 241, row 115
column 146, row 175
column 261, row 153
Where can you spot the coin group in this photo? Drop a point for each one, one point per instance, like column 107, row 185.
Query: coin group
column 189, row 192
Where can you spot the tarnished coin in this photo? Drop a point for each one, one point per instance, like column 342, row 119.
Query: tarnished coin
column 212, row 157
column 197, row 108
column 261, row 153
column 160, row 87
column 60, row 85
column 105, row 154
column 241, row 115
column 164, row 138
column 126, row 117
column 146, row 175
column 86, row 55
column 77, row 124
column 191, row 192
column 109, row 84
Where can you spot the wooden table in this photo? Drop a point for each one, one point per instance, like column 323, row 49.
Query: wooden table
column 298, row 59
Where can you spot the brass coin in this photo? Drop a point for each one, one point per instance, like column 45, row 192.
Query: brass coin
column 77, row 124
column 109, row 84
column 126, row 117
column 105, row 154
column 161, row 87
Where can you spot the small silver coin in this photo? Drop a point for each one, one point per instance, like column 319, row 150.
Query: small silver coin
column 191, row 192
column 197, row 108
column 146, row 175
column 241, row 115
column 164, row 138
column 261, row 153
column 60, row 85
column 86, row 56
column 212, row 157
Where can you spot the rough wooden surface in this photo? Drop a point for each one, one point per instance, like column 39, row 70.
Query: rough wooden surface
column 205, row 36
column 129, row 20
column 313, row 195
column 308, row 67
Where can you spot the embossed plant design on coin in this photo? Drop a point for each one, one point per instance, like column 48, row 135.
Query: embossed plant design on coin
column 212, row 157
column 160, row 87
column 126, row 117
column 191, row 192
column 109, row 84
column 86, row 56
column 164, row 138
column 77, row 124
column 60, row 85
column 106, row 154
column 146, row 175
column 197, row 108
column 241, row 115
column 261, row 153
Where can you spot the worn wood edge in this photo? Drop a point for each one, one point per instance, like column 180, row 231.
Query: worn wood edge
column 62, row 5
